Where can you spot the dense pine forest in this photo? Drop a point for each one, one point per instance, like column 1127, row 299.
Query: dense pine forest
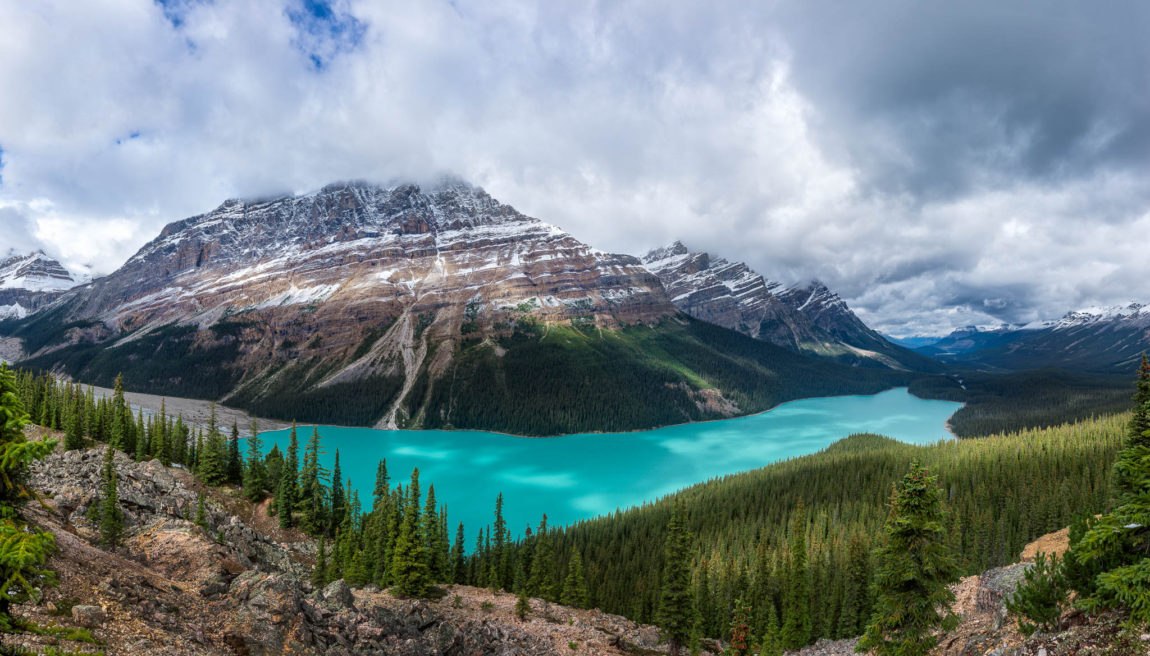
column 789, row 550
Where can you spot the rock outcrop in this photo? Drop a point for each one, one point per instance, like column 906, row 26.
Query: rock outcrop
column 237, row 584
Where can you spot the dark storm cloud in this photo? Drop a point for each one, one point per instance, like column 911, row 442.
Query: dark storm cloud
column 938, row 99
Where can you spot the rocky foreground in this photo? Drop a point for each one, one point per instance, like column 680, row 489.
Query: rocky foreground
column 238, row 585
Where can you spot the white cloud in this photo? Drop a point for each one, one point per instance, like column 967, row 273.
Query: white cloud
column 728, row 125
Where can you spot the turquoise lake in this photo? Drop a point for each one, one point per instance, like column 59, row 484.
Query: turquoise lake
column 575, row 477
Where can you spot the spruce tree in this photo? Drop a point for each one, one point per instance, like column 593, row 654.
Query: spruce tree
column 1112, row 553
column 286, row 489
column 235, row 462
column 409, row 560
column 542, row 582
column 676, row 615
column 111, row 515
column 255, row 473
column 575, row 585
column 796, row 630
column 74, row 434
column 319, row 572
column 522, row 605
column 458, row 558
column 855, row 611
column 915, row 566
column 24, row 551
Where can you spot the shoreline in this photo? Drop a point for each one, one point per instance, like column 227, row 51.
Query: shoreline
column 196, row 412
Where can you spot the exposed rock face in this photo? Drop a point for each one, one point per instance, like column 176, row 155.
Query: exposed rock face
column 354, row 282
column 239, row 585
column 29, row 282
column 810, row 318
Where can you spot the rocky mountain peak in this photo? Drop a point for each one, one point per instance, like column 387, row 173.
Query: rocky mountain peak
column 34, row 272
column 809, row 317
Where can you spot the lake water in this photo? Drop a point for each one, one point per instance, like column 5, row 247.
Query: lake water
column 575, row 477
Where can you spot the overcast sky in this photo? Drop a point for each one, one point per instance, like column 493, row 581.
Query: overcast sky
column 937, row 163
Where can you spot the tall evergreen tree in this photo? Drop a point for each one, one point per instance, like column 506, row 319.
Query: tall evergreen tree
column 796, row 631
column 24, row 551
column 676, row 612
column 111, row 515
column 542, row 583
column 235, row 462
column 575, row 585
column 915, row 566
column 458, row 558
column 409, row 561
column 255, row 472
column 286, row 490
column 1110, row 563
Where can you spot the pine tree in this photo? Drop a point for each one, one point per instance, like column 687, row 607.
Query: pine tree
column 676, row 612
column 855, row 609
column 235, row 462
column 915, row 566
column 458, row 558
column 338, row 501
column 771, row 643
column 201, row 511
column 409, row 560
column 575, row 585
column 24, row 551
column 74, row 435
column 796, row 631
column 255, row 473
column 542, row 583
column 111, row 515
column 286, row 489
column 1039, row 600
column 499, row 576
column 1112, row 553
column 319, row 572
column 522, row 605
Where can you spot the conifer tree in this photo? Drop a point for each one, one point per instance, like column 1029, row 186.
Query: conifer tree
column 796, row 631
column 522, row 606
column 24, row 551
column 111, row 515
column 542, row 583
column 676, row 612
column 235, row 462
column 286, row 490
column 319, row 572
column 338, row 501
column 855, row 611
column 74, row 434
column 255, row 473
column 1112, row 553
column 575, row 585
column 409, row 560
column 771, row 642
column 201, row 511
column 458, row 558
column 500, row 558
column 915, row 566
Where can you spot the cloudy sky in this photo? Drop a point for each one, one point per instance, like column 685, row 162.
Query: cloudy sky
column 939, row 164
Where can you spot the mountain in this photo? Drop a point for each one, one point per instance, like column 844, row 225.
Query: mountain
column 1102, row 340
column 808, row 318
column 403, row 306
column 29, row 282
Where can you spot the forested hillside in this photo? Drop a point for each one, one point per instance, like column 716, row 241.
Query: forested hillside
column 809, row 523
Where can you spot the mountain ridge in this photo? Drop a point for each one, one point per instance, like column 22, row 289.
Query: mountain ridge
column 405, row 306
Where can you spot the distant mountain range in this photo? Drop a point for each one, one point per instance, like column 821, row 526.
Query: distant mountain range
column 1103, row 340
column 439, row 307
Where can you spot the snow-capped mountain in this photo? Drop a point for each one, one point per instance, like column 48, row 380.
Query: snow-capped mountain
column 354, row 282
column 808, row 318
column 29, row 282
column 1100, row 339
